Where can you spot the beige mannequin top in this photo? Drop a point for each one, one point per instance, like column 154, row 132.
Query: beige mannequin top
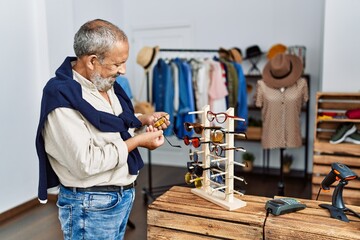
column 281, row 109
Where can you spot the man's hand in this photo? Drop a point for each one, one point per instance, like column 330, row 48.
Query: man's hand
column 151, row 139
column 159, row 120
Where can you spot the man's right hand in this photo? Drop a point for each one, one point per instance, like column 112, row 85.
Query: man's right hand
column 151, row 139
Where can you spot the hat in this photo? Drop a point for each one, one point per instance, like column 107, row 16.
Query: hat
column 143, row 107
column 275, row 49
column 224, row 53
column 253, row 51
column 283, row 70
column 236, row 54
column 146, row 56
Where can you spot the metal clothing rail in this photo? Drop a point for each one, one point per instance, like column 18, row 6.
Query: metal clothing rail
column 151, row 191
column 187, row 50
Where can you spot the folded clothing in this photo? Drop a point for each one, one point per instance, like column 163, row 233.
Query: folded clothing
column 353, row 113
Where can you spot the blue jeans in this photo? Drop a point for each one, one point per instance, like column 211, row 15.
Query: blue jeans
column 94, row 215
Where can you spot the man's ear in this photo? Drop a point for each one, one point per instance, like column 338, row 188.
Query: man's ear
column 90, row 61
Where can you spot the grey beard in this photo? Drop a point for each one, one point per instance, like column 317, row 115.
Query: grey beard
column 102, row 84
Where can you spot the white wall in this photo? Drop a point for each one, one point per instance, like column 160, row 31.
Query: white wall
column 38, row 34
column 36, row 37
column 24, row 63
column 239, row 23
column 65, row 17
column 341, row 46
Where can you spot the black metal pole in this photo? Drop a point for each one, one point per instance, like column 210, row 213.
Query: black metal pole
column 281, row 185
column 149, row 152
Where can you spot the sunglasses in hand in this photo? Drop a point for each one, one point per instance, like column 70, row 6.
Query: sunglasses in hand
column 160, row 122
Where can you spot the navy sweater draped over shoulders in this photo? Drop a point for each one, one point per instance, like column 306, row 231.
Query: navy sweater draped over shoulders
column 64, row 91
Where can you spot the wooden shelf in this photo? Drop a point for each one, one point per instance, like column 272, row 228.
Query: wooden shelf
column 326, row 153
column 339, row 120
column 341, row 148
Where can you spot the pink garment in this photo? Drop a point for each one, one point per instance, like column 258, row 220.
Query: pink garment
column 217, row 87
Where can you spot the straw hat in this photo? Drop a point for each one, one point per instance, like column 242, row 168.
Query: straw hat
column 146, row 56
column 275, row 49
column 283, row 70
column 236, row 54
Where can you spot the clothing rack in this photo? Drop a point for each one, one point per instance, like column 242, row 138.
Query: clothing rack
column 151, row 191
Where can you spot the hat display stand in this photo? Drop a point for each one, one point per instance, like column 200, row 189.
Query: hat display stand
column 253, row 70
column 221, row 194
column 254, row 54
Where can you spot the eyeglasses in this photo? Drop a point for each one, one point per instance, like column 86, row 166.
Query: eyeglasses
column 219, row 150
column 160, row 122
column 195, row 141
column 196, row 169
column 197, row 127
column 221, row 117
column 177, row 146
column 194, row 156
column 189, row 179
column 218, row 135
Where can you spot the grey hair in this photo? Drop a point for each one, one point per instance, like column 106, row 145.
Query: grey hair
column 97, row 37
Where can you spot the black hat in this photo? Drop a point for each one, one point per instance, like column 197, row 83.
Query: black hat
column 253, row 51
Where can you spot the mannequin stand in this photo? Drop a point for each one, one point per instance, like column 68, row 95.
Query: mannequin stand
column 281, row 185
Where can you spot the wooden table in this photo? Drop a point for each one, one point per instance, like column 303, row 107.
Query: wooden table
column 180, row 214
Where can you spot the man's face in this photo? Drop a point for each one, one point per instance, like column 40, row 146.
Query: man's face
column 114, row 64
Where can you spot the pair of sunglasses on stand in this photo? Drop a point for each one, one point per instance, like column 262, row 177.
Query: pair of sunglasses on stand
column 197, row 127
column 219, row 150
column 221, row 117
column 194, row 156
column 189, row 179
column 160, row 122
column 197, row 169
column 195, row 141
column 217, row 134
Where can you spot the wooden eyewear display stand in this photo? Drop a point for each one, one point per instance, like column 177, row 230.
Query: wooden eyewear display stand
column 220, row 194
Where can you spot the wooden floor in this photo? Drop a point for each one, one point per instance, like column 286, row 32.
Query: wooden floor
column 41, row 221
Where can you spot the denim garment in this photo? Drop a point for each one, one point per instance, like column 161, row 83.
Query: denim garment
column 186, row 99
column 242, row 105
column 163, row 91
column 94, row 215
column 124, row 83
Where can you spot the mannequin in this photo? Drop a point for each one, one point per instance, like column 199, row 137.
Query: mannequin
column 280, row 94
